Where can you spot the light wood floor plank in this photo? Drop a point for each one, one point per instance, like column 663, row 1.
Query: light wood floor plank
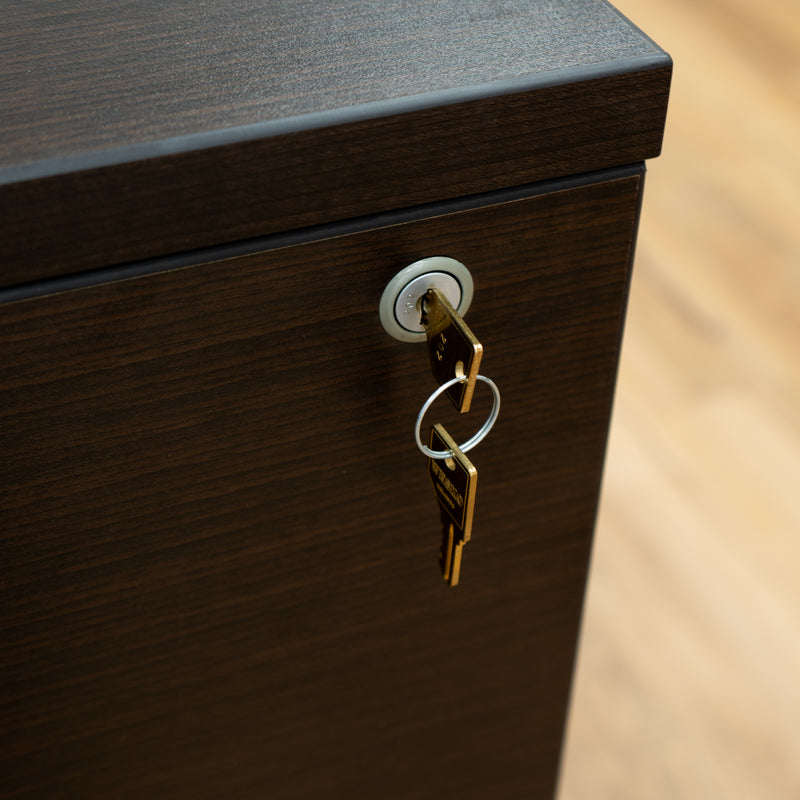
column 688, row 683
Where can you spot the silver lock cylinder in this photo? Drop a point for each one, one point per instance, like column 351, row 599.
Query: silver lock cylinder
column 400, row 306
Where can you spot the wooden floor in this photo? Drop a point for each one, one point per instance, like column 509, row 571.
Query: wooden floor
column 688, row 683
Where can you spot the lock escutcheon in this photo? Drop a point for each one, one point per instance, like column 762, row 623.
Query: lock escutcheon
column 400, row 309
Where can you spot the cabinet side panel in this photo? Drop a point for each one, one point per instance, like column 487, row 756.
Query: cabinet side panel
column 219, row 542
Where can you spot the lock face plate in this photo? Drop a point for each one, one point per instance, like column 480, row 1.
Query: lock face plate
column 407, row 307
column 400, row 309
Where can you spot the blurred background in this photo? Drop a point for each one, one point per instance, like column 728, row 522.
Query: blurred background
column 688, row 681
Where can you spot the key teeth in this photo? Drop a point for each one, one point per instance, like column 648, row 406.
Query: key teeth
column 445, row 553
column 450, row 557
column 455, row 566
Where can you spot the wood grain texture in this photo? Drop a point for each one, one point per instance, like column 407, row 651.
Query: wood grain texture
column 219, row 542
column 100, row 76
column 123, row 142
column 143, row 209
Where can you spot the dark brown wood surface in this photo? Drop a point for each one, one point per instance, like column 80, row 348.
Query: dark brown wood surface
column 99, row 76
column 143, row 209
column 219, row 543
column 131, row 131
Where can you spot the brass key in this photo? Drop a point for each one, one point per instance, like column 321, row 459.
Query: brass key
column 454, row 351
column 455, row 481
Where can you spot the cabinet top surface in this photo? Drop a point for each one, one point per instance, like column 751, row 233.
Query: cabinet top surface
column 100, row 80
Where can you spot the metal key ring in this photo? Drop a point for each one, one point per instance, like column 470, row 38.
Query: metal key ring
column 477, row 438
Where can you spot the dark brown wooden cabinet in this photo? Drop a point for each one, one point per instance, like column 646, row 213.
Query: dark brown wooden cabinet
column 219, row 542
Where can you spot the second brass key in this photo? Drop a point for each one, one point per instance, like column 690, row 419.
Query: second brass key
column 455, row 480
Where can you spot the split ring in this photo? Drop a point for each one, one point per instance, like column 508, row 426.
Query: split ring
column 477, row 438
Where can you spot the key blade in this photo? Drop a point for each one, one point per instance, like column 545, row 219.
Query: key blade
column 448, row 546
column 453, row 348
column 453, row 572
column 455, row 481
column 451, row 552
column 455, row 566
